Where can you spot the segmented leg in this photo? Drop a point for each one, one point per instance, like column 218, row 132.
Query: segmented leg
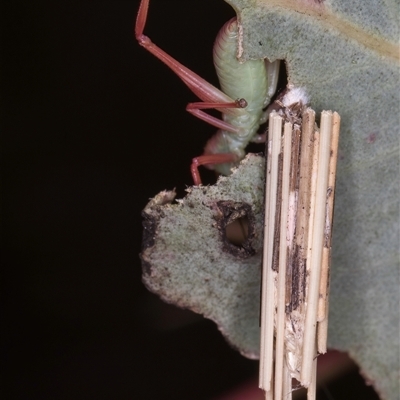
column 210, row 159
column 211, row 96
column 195, row 109
column 273, row 76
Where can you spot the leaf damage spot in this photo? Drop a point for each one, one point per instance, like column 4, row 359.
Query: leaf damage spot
column 238, row 216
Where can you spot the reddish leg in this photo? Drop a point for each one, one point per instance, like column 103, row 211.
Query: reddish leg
column 209, row 159
column 211, row 96
column 218, row 123
column 195, row 109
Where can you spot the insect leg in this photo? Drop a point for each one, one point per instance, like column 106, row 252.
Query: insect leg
column 218, row 123
column 210, row 159
column 199, row 86
column 273, row 76
column 195, row 109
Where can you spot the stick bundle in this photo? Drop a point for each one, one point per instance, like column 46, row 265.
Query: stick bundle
column 300, row 186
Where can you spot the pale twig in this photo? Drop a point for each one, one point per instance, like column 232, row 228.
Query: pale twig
column 283, row 252
column 323, row 305
column 312, row 388
column 317, row 245
column 300, row 180
column 268, row 301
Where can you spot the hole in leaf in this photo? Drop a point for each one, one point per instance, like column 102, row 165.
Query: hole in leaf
column 237, row 231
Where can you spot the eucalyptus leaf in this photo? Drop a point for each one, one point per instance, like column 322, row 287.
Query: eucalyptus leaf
column 346, row 56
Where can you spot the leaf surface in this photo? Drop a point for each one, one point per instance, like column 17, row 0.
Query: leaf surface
column 345, row 55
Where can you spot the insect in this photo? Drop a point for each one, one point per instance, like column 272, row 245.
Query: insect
column 246, row 90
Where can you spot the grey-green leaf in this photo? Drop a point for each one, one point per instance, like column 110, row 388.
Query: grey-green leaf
column 188, row 260
column 345, row 54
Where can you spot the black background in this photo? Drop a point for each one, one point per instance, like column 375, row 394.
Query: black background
column 93, row 126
